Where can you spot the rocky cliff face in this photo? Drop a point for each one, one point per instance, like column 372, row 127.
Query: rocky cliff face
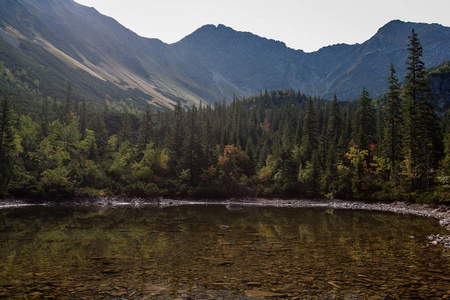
column 104, row 60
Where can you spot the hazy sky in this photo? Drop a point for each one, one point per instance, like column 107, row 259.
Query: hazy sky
column 301, row 24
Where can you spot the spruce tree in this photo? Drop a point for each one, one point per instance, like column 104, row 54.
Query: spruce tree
column 101, row 134
column 346, row 132
column 334, row 129
column 146, row 130
column 422, row 136
column 209, row 143
column 67, row 111
column 334, row 123
column 83, row 119
column 126, row 131
column 7, row 146
column 310, row 139
column 392, row 136
column 192, row 155
column 175, row 137
column 365, row 124
column 44, row 117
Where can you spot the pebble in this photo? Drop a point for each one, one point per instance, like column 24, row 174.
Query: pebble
column 438, row 239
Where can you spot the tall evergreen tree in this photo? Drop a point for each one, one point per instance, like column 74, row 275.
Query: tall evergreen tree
column 101, row 134
column 44, row 118
column 334, row 123
column 346, row 132
column 146, row 131
column 106, row 115
column 422, row 136
column 365, row 123
column 392, row 136
column 83, row 119
column 67, row 111
column 7, row 146
column 126, row 131
column 334, row 129
column 193, row 158
column 209, row 143
column 310, row 132
column 176, row 136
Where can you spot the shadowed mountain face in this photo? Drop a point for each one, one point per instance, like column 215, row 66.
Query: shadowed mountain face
column 61, row 41
column 253, row 63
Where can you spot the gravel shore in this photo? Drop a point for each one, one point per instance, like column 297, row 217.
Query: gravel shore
column 440, row 212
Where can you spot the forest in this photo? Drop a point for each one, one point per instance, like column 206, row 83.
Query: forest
column 274, row 144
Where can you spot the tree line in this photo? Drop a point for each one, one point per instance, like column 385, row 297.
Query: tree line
column 273, row 144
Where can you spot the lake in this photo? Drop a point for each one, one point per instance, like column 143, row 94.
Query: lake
column 211, row 252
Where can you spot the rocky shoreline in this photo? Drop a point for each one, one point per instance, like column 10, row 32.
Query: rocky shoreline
column 436, row 211
column 440, row 212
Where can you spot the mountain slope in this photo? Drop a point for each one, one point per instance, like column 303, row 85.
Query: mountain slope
column 96, row 46
column 60, row 41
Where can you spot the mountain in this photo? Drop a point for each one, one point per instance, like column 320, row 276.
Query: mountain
column 60, row 41
column 252, row 63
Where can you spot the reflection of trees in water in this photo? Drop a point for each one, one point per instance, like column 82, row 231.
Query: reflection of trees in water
column 184, row 248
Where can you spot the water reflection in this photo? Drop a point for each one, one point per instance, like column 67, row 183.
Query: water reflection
column 213, row 252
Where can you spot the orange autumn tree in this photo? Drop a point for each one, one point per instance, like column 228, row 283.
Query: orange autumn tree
column 232, row 165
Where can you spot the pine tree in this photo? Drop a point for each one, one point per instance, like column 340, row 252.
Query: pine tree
column 365, row 123
column 7, row 146
column 209, row 143
column 422, row 136
column 334, row 123
column 392, row 120
column 106, row 115
column 346, row 132
column 146, row 131
column 126, row 132
column 175, row 137
column 67, row 112
column 101, row 134
column 310, row 132
column 334, row 129
column 44, row 118
column 193, row 158
column 83, row 119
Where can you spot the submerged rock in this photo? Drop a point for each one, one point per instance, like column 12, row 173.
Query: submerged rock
column 438, row 239
column 234, row 206
column 445, row 223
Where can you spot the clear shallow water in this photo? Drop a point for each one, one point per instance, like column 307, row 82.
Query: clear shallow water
column 184, row 253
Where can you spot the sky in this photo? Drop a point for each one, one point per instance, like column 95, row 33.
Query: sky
column 301, row 24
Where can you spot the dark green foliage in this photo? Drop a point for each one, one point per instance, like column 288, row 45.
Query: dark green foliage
column 422, row 138
column 7, row 145
column 365, row 121
column 175, row 138
column 392, row 136
column 146, row 130
column 310, row 131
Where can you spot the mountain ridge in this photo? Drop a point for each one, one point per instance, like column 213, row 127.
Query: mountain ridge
column 107, row 61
